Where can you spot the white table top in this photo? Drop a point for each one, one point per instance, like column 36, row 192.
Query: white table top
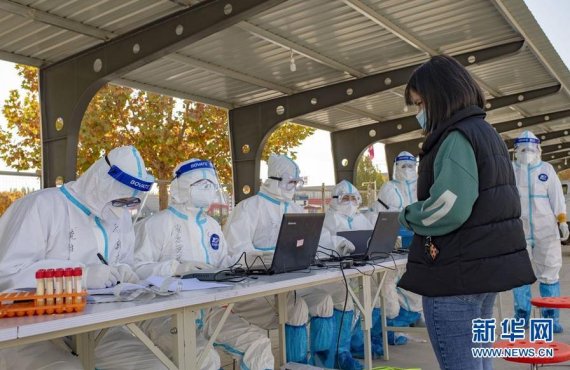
column 12, row 328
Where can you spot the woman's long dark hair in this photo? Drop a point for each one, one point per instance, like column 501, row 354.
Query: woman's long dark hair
column 445, row 87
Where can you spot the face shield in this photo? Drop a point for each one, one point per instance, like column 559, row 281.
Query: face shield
column 527, row 150
column 405, row 167
column 131, row 200
column 201, row 180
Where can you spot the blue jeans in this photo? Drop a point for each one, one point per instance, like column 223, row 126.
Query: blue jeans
column 448, row 321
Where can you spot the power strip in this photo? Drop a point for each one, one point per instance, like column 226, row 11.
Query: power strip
column 346, row 264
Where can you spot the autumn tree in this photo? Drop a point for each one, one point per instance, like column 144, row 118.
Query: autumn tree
column 165, row 130
column 366, row 175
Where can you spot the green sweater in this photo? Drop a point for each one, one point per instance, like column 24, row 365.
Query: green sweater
column 453, row 193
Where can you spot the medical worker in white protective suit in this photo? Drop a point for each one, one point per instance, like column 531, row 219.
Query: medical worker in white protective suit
column 184, row 238
column 343, row 215
column 394, row 196
column 543, row 212
column 253, row 228
column 67, row 227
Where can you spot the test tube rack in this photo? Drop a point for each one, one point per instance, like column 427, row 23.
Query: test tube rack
column 18, row 304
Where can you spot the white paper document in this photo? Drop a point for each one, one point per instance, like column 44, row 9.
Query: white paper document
column 123, row 287
column 185, row 284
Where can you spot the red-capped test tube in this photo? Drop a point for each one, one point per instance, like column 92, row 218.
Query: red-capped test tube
column 48, row 283
column 40, row 285
column 68, row 284
column 58, row 285
column 78, row 282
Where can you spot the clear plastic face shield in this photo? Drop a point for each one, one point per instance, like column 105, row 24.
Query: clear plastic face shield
column 205, row 192
column 527, row 150
column 132, row 202
column 405, row 168
column 288, row 183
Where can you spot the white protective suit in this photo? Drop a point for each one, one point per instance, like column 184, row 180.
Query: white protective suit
column 185, row 233
column 253, row 228
column 394, row 196
column 67, row 227
column 543, row 213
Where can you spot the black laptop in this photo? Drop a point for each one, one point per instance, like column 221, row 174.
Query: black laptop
column 297, row 243
column 374, row 243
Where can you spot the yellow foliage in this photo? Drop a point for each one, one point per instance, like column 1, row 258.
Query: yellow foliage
column 7, row 198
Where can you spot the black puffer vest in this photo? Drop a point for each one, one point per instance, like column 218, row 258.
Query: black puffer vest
column 488, row 252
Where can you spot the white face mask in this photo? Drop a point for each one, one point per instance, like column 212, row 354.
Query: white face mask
column 201, row 198
column 409, row 174
column 287, row 194
column 526, row 158
column 348, row 209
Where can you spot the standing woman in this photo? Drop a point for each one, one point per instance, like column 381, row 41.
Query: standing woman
column 469, row 241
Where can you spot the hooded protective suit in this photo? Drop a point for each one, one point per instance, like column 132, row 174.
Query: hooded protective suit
column 67, row 227
column 253, row 228
column 543, row 213
column 342, row 215
column 183, row 238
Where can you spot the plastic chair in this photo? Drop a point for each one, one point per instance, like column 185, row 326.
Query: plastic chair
column 561, row 352
column 551, row 302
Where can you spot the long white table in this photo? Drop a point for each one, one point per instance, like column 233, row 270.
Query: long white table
column 186, row 306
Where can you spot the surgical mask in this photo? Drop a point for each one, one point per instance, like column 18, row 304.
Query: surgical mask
column 201, row 198
column 422, row 119
column 526, row 157
column 347, row 209
column 287, row 194
column 409, row 174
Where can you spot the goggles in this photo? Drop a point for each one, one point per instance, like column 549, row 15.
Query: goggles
column 128, row 180
column 126, row 202
column 348, row 198
column 289, row 183
column 205, row 184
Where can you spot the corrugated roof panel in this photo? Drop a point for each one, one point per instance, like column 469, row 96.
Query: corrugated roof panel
column 248, row 54
column 514, row 74
column 337, row 31
column 448, row 25
column 547, row 104
column 502, row 115
column 110, row 15
column 387, row 104
column 337, row 119
column 178, row 76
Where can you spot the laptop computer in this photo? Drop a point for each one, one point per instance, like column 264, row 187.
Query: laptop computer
column 374, row 243
column 297, row 243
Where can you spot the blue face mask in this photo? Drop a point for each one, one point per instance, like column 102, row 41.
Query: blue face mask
column 421, row 117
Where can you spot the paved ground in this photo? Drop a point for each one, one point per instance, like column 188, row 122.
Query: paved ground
column 418, row 352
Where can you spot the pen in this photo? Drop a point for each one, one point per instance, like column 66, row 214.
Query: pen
column 102, row 259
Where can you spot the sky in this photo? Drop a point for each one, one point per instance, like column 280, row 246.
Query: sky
column 315, row 155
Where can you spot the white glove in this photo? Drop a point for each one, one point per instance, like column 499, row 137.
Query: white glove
column 345, row 247
column 101, row 276
column 192, row 266
column 563, row 226
column 126, row 274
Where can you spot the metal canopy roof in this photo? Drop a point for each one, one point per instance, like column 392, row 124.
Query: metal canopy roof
column 330, row 40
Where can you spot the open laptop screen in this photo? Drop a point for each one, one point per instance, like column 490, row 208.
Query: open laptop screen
column 297, row 242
